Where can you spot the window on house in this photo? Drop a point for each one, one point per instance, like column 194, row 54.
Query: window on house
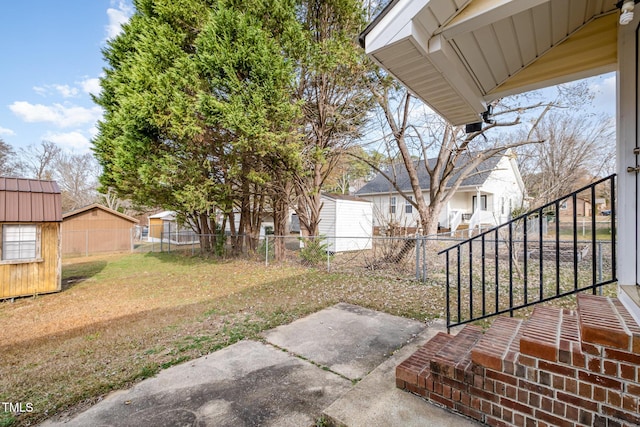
column 19, row 242
column 408, row 207
column 392, row 205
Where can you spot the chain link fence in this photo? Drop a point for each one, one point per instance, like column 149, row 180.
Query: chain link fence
column 408, row 257
column 98, row 241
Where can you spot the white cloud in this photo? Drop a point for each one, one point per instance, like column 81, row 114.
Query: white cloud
column 604, row 88
column 66, row 91
column 91, row 85
column 41, row 90
column 5, row 131
column 118, row 14
column 60, row 115
column 74, row 141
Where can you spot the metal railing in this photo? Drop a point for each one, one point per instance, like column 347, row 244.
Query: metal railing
column 545, row 254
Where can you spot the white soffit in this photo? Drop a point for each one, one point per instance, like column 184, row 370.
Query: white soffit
column 496, row 48
column 456, row 54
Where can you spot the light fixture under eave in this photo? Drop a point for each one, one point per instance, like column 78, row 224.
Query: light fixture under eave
column 626, row 10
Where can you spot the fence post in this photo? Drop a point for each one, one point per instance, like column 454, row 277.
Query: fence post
column 266, row 249
column 169, row 241
column 417, row 258
column 328, row 258
column 424, row 259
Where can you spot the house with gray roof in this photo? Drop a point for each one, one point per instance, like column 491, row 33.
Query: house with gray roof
column 485, row 197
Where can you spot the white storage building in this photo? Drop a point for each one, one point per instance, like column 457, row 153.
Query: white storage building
column 347, row 222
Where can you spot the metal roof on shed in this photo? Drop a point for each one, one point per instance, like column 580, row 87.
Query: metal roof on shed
column 29, row 200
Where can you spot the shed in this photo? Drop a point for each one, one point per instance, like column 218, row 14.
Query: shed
column 30, row 249
column 96, row 228
column 164, row 226
column 347, row 222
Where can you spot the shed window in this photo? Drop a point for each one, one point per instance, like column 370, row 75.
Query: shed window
column 19, row 242
column 392, row 205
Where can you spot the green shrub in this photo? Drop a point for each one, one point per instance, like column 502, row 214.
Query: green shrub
column 314, row 250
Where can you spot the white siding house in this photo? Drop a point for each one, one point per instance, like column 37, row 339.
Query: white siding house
column 347, row 222
column 484, row 198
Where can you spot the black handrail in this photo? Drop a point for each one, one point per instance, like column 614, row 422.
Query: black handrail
column 525, row 277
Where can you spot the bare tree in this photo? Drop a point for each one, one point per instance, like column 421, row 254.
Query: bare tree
column 39, row 160
column 111, row 200
column 577, row 149
column 77, row 175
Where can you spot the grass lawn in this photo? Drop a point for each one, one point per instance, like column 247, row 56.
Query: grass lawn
column 122, row 318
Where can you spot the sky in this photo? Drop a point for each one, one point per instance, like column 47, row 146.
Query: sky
column 51, row 61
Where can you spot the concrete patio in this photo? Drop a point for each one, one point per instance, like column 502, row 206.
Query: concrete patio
column 336, row 366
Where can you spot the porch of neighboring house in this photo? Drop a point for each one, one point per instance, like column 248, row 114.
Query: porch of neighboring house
column 471, row 212
column 559, row 366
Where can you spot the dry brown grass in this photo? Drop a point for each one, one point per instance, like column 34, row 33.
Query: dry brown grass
column 121, row 318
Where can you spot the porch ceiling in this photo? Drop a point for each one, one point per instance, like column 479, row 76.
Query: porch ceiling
column 458, row 55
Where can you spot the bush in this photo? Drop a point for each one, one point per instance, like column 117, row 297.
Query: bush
column 314, row 250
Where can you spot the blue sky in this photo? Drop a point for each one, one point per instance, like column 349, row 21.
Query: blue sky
column 50, row 56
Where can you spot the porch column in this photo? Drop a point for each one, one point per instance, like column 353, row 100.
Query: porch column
column 627, row 125
column 628, row 260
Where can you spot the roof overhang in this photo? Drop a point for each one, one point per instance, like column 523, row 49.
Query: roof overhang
column 92, row 206
column 459, row 55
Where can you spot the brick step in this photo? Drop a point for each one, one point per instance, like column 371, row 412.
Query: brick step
column 418, row 363
column 455, row 356
column 604, row 321
column 541, row 334
column 559, row 367
column 499, row 346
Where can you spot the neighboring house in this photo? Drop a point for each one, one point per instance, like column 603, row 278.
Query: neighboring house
column 163, row 226
column 485, row 197
column 583, row 207
column 30, row 217
column 347, row 222
column 96, row 228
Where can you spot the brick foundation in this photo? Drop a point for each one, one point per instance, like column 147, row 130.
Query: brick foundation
column 559, row 368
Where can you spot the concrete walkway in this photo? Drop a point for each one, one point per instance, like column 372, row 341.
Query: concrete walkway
column 336, row 365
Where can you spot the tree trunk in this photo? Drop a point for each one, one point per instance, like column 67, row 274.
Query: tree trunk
column 280, row 216
column 205, row 233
